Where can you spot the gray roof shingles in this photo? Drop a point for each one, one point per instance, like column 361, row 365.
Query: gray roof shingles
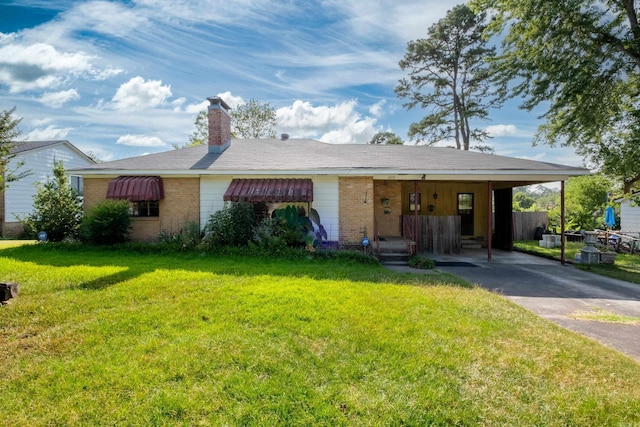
column 306, row 155
column 22, row 146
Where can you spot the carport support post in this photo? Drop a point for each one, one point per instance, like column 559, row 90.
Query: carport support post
column 489, row 220
column 562, row 244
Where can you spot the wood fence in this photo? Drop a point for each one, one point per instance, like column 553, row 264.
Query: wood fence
column 437, row 234
column 525, row 224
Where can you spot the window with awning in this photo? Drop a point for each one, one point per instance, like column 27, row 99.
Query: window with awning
column 270, row 190
column 136, row 188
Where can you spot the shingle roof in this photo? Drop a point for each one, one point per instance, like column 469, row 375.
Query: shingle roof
column 22, row 146
column 309, row 157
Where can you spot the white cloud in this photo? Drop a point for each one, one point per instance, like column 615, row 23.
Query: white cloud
column 140, row 141
column 41, row 121
column 196, row 108
column 340, row 124
column 232, row 101
column 38, row 66
column 402, row 19
column 138, row 94
column 58, row 99
column 100, row 75
column 104, row 17
column 502, row 130
column 48, row 134
column 377, row 108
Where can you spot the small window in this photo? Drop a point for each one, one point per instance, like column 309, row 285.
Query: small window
column 414, row 202
column 77, row 184
column 145, row 209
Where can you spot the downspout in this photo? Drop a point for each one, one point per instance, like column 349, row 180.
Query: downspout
column 489, row 220
column 562, row 245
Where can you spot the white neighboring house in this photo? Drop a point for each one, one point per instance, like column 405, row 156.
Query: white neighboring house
column 629, row 218
column 38, row 158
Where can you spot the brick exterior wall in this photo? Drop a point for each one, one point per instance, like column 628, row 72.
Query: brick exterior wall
column 356, row 199
column 181, row 205
column 387, row 204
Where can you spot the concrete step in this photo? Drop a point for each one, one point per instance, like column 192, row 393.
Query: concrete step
column 394, row 258
column 470, row 244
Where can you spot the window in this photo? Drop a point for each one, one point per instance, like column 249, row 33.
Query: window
column 465, row 210
column 145, row 208
column 414, row 202
column 77, row 184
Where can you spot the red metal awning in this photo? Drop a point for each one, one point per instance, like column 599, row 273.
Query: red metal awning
column 269, row 190
column 136, row 188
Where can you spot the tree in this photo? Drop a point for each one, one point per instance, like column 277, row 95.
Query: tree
column 57, row 208
column 9, row 132
column 448, row 75
column 585, row 201
column 580, row 61
column 199, row 136
column 523, row 201
column 249, row 121
column 254, row 120
column 388, row 138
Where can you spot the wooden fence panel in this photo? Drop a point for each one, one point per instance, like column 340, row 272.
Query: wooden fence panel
column 525, row 224
column 437, row 234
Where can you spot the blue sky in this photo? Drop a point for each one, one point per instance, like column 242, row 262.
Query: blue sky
column 121, row 79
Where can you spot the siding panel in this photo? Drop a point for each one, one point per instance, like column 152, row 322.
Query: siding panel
column 19, row 195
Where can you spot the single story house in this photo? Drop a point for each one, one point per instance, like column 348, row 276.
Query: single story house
column 358, row 189
column 38, row 158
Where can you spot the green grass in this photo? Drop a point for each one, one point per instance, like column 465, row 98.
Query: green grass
column 100, row 337
column 605, row 316
column 626, row 267
column 13, row 243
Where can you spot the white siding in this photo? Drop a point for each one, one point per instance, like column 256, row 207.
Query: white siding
column 325, row 199
column 19, row 194
column 212, row 190
column 629, row 217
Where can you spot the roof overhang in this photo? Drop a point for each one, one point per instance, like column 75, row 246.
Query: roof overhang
column 395, row 174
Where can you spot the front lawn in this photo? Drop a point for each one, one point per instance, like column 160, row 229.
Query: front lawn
column 102, row 337
column 626, row 266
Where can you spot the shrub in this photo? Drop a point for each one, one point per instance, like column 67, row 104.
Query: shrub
column 296, row 228
column 57, row 208
column 423, row 263
column 231, row 226
column 188, row 238
column 107, row 223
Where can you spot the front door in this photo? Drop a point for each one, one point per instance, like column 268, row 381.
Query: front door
column 465, row 210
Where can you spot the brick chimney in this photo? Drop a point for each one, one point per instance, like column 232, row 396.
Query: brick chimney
column 219, row 125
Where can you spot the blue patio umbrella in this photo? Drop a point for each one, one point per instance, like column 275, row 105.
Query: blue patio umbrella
column 609, row 218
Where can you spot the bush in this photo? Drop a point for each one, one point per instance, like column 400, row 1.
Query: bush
column 423, row 263
column 108, row 223
column 231, row 226
column 189, row 237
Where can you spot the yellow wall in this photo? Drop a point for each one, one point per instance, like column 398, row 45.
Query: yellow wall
column 446, row 203
column 387, row 204
column 181, row 205
column 356, row 201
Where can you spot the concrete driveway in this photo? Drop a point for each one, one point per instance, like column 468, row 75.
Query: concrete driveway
column 555, row 292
